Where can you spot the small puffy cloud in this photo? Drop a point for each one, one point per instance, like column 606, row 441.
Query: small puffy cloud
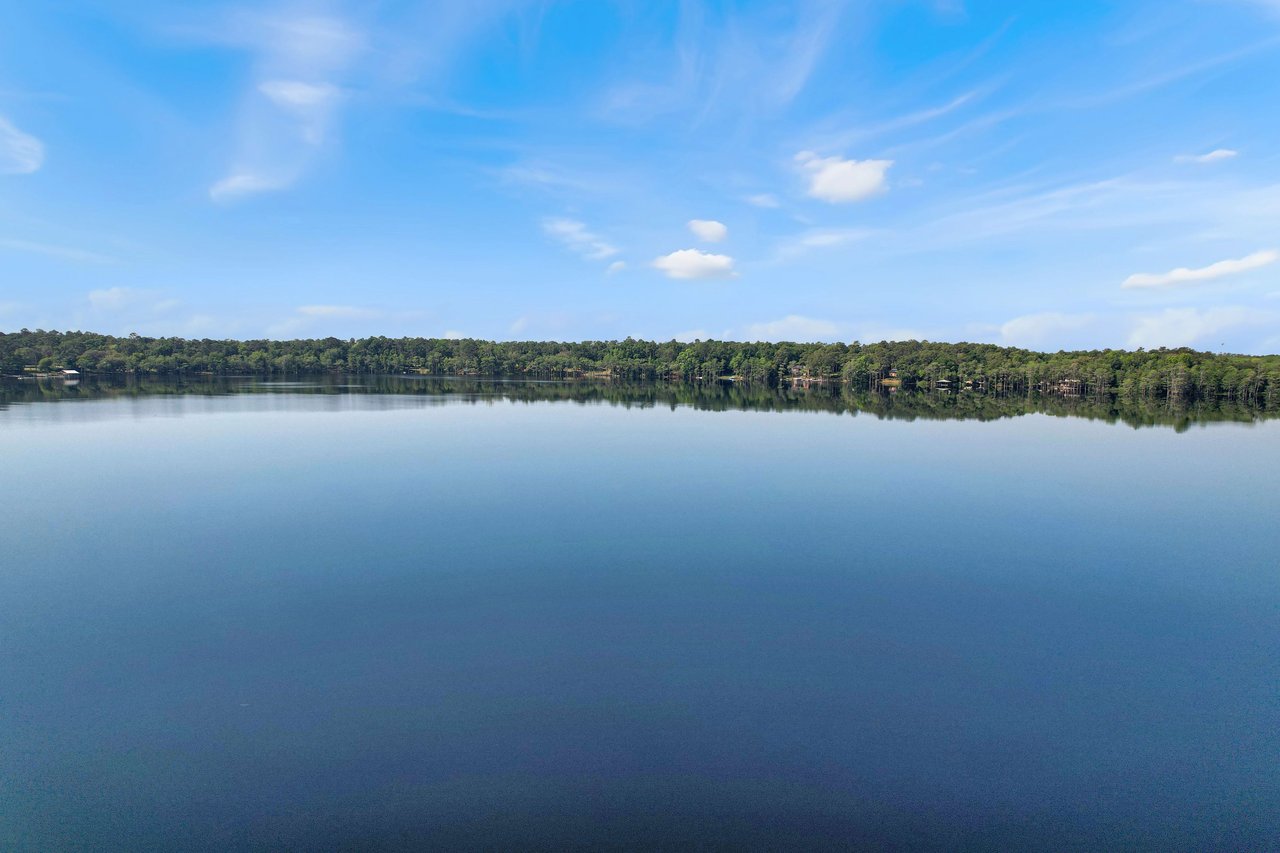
column 1212, row 157
column 708, row 230
column 1038, row 329
column 767, row 200
column 693, row 263
column 1179, row 327
column 243, row 184
column 577, row 237
column 839, row 181
column 20, row 153
column 1184, row 275
column 616, row 267
column 452, row 335
column 793, row 327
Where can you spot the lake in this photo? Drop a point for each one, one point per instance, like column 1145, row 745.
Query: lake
column 400, row 613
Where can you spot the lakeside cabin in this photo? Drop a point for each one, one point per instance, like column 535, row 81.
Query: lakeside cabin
column 67, row 373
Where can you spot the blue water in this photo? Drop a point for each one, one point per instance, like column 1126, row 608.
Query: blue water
column 383, row 621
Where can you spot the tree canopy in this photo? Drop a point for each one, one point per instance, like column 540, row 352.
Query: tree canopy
column 1149, row 374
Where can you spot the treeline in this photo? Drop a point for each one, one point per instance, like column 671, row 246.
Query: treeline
column 1154, row 374
column 834, row 398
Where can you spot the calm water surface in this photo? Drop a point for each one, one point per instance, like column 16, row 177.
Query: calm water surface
column 355, row 620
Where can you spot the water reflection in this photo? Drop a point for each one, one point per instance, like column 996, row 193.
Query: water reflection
column 721, row 396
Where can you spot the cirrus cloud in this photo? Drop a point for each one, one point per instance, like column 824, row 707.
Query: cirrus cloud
column 1183, row 275
column 20, row 153
column 839, row 181
column 577, row 237
column 1212, row 157
column 693, row 263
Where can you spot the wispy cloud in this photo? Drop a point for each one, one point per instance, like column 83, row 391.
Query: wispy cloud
column 793, row 327
column 298, row 59
column 1211, row 157
column 349, row 312
column 237, row 185
column 839, row 181
column 1033, row 330
column 690, row 335
column 134, row 300
column 821, row 238
column 695, row 264
column 20, row 153
column 578, row 238
column 844, row 138
column 758, row 61
column 765, row 200
column 308, row 318
column 1179, row 327
column 65, row 253
column 1184, row 275
column 312, row 104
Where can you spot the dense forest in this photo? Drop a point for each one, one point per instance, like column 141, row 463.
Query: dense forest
column 832, row 397
column 1181, row 374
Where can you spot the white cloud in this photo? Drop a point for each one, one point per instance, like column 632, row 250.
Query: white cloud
column 20, row 153
column 793, row 327
column 1212, row 157
column 1179, row 327
column 1182, row 275
column 235, row 186
column 837, row 181
column 452, row 335
column 708, row 230
column 767, row 200
column 1034, row 330
column 693, row 263
column 616, row 267
column 578, row 238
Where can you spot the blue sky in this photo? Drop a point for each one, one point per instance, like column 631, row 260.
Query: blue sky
column 1049, row 175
